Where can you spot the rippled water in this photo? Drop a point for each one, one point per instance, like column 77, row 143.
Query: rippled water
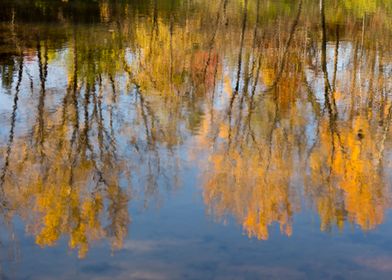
column 195, row 139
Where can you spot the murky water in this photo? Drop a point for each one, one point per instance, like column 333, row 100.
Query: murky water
column 195, row 139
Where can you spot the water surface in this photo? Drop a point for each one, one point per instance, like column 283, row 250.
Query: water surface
column 195, row 139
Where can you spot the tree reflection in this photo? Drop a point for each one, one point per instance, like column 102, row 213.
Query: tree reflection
column 268, row 147
column 274, row 99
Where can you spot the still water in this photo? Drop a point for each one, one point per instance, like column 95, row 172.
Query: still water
column 195, row 139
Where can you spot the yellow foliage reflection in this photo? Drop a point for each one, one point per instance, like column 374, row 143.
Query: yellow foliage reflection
column 288, row 109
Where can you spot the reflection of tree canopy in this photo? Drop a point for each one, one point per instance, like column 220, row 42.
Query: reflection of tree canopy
column 276, row 98
column 314, row 121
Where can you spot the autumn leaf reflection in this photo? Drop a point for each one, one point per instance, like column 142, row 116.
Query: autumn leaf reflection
column 288, row 110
